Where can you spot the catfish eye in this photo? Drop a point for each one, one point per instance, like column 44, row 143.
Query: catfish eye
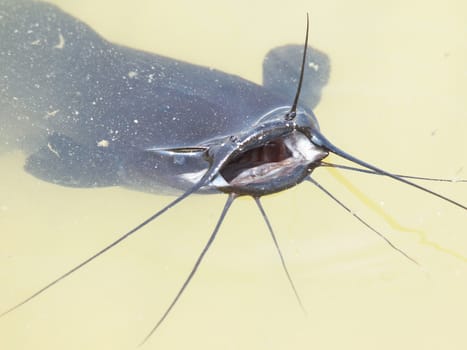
column 291, row 115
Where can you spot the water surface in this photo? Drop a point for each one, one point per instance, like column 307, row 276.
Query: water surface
column 396, row 98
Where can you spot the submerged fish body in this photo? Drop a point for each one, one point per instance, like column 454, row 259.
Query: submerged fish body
column 92, row 113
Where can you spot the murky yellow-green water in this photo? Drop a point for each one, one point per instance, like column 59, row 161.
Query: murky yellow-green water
column 396, row 98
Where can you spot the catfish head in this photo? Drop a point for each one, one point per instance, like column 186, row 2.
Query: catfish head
column 274, row 154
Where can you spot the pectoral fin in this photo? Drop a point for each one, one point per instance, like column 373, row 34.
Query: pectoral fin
column 66, row 163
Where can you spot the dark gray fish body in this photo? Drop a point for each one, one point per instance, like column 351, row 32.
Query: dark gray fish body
column 92, row 113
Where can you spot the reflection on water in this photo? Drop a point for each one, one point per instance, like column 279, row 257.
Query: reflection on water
column 396, row 98
column 421, row 236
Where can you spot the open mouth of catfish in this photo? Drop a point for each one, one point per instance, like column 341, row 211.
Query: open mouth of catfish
column 273, row 166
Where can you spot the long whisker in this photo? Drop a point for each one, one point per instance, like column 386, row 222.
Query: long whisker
column 278, row 249
column 366, row 171
column 227, row 205
column 108, row 247
column 330, row 195
column 291, row 114
column 321, row 140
